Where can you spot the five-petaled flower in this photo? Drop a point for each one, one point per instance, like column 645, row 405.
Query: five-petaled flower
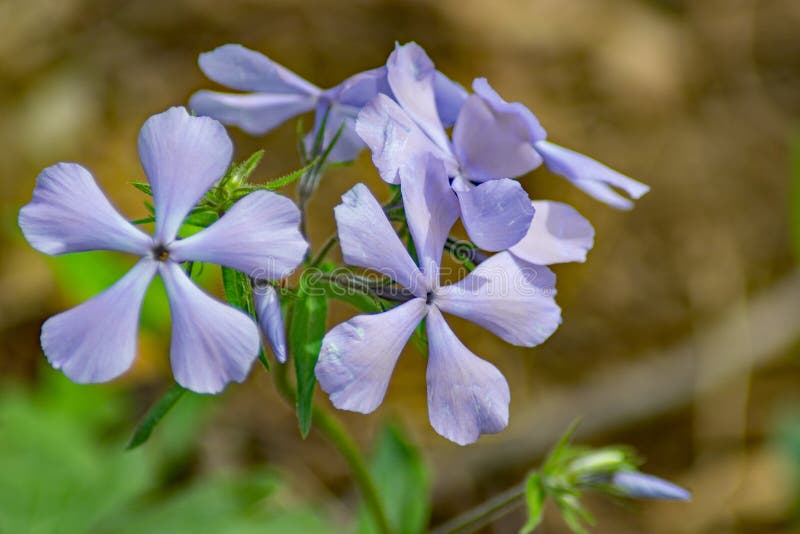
column 212, row 343
column 492, row 142
column 467, row 396
column 274, row 95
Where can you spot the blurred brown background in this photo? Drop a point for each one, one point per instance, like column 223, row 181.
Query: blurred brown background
column 680, row 333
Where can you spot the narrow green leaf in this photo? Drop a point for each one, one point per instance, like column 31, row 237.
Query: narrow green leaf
column 560, row 449
column 535, row 496
column 240, row 295
column 144, row 220
column 283, row 181
column 144, row 187
column 154, row 416
column 306, row 329
column 150, row 208
column 403, row 482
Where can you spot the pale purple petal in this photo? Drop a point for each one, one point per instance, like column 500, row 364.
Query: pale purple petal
column 643, row 486
column 513, row 300
column 367, row 239
column 467, row 396
column 450, row 96
column 411, row 76
column 394, row 138
column 258, row 236
column 357, row 90
column 69, row 213
column 591, row 176
column 558, row 234
column 255, row 113
column 431, row 210
column 496, row 214
column 96, row 340
column 492, row 144
column 212, row 343
column 514, row 112
column 268, row 311
column 358, row 356
column 182, row 157
column 247, row 70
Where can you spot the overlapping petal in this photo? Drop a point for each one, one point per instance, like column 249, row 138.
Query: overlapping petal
column 182, row 157
column 358, row 356
column 96, row 340
column 431, row 210
column 591, row 176
column 258, row 236
column 240, row 68
column 368, row 240
column 492, row 144
column 268, row 312
column 69, row 213
column 512, row 299
column 558, row 234
column 411, row 76
column 255, row 113
column 212, row 343
column 450, row 96
column 496, row 214
column 467, row 396
column 394, row 138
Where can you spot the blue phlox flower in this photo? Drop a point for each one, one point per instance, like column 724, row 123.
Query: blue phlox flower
column 212, row 343
column 467, row 396
column 272, row 95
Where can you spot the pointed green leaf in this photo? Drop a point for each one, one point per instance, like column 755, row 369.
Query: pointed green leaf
column 154, row 416
column 535, row 496
column 144, row 187
column 283, row 181
column 306, row 329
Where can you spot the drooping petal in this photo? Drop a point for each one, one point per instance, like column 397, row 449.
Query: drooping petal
column 514, row 112
column 450, row 96
column 492, row 139
column 558, row 234
column 258, row 236
column 358, row 356
column 591, row 176
column 467, row 396
column 394, row 138
column 496, row 214
column 513, row 300
column 182, row 157
column 367, row 239
column 255, row 113
column 268, row 311
column 69, row 213
column 411, row 76
column 431, row 210
column 212, row 343
column 96, row 340
column 644, row 486
column 247, row 70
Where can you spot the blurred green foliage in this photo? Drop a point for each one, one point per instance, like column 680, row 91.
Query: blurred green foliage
column 65, row 470
column 404, row 484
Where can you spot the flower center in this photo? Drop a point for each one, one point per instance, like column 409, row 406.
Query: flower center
column 429, row 298
column 160, row 252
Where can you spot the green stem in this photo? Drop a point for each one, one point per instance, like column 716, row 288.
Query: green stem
column 324, row 251
column 347, row 447
column 484, row 513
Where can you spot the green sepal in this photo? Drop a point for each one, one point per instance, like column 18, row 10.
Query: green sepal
column 535, row 495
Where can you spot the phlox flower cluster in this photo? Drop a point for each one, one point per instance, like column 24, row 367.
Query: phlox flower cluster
column 402, row 112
